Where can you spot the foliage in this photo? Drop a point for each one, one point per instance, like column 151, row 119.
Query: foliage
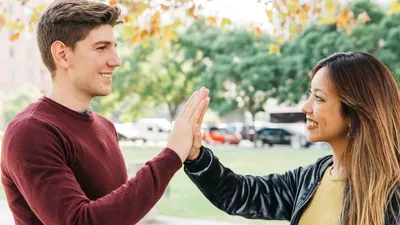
column 16, row 102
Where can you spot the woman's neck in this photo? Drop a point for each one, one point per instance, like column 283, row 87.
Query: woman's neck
column 339, row 167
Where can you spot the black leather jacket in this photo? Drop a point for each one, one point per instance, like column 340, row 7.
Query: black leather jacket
column 270, row 197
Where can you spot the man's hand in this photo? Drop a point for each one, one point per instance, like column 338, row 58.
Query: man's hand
column 197, row 139
column 181, row 137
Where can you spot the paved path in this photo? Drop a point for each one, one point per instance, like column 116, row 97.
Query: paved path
column 7, row 219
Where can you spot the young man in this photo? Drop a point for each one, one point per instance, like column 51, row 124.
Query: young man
column 61, row 163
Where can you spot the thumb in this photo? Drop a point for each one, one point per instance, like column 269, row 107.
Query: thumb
column 196, row 130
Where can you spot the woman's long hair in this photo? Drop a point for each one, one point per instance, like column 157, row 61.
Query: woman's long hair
column 370, row 97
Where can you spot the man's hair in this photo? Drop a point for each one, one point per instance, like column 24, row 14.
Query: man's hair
column 70, row 21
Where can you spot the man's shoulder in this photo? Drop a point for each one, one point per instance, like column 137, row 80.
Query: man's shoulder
column 30, row 117
column 103, row 120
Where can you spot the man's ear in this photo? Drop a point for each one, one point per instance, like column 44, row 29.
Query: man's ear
column 59, row 52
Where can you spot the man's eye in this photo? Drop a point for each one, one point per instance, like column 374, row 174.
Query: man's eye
column 101, row 48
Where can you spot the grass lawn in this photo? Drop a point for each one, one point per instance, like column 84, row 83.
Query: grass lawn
column 185, row 200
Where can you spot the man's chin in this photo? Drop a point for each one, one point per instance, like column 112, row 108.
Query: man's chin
column 102, row 93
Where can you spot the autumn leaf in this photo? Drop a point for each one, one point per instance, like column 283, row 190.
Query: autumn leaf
column 257, row 31
column 2, row 20
column 140, row 7
column 129, row 19
column 394, row 7
column 135, row 39
column 212, row 20
column 225, row 21
column 114, row 2
column 164, row 7
column 190, row 11
column 144, row 34
column 274, row 49
column 176, row 23
column 303, row 17
column 155, row 18
column 269, row 14
column 280, row 40
column 305, row 7
column 317, row 10
column 14, row 37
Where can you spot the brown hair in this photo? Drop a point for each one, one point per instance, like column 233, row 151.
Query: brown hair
column 370, row 98
column 70, row 21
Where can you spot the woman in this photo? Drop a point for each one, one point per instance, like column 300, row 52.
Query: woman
column 354, row 105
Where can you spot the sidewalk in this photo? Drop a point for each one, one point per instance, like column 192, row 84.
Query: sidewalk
column 7, row 219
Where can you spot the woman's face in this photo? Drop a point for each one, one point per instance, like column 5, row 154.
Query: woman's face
column 325, row 121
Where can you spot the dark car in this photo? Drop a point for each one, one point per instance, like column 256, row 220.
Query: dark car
column 281, row 136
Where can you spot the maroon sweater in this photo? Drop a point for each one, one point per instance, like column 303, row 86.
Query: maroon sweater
column 62, row 167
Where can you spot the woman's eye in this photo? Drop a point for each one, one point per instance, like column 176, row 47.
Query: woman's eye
column 318, row 98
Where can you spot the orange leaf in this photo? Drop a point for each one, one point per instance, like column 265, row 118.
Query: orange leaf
column 114, row 2
column 164, row 7
column 135, row 39
column 155, row 18
column 303, row 17
column 305, row 7
column 129, row 19
column 190, row 11
column 211, row 20
column 317, row 10
column 2, row 20
column 14, row 37
column 344, row 16
column 144, row 34
column 257, row 31
column 140, row 7
column 269, row 14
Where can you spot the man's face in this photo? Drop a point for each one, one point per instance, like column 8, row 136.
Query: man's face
column 93, row 61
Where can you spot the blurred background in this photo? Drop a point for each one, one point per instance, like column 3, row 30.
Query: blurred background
column 253, row 55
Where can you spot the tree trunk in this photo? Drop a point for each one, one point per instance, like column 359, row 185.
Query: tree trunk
column 253, row 119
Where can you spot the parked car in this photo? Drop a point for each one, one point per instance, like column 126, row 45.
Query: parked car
column 145, row 129
column 220, row 135
column 281, row 136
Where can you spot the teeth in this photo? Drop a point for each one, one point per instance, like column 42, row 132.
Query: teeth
column 105, row 75
column 311, row 123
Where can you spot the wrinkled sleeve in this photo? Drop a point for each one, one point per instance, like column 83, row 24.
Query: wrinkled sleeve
column 268, row 197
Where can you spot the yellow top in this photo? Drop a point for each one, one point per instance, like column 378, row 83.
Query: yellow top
column 326, row 204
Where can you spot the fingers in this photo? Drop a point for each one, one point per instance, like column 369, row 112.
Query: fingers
column 197, row 135
column 196, row 115
column 188, row 102
column 200, row 121
column 195, row 103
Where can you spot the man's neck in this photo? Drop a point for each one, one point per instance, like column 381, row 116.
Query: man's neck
column 69, row 98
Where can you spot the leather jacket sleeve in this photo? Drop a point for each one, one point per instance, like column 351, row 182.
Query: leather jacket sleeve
column 256, row 197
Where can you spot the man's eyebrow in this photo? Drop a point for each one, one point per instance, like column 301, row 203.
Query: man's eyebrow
column 105, row 43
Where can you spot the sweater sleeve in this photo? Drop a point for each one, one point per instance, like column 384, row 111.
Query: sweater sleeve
column 35, row 160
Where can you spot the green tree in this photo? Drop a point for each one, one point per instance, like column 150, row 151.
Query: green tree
column 239, row 71
column 151, row 77
column 16, row 102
